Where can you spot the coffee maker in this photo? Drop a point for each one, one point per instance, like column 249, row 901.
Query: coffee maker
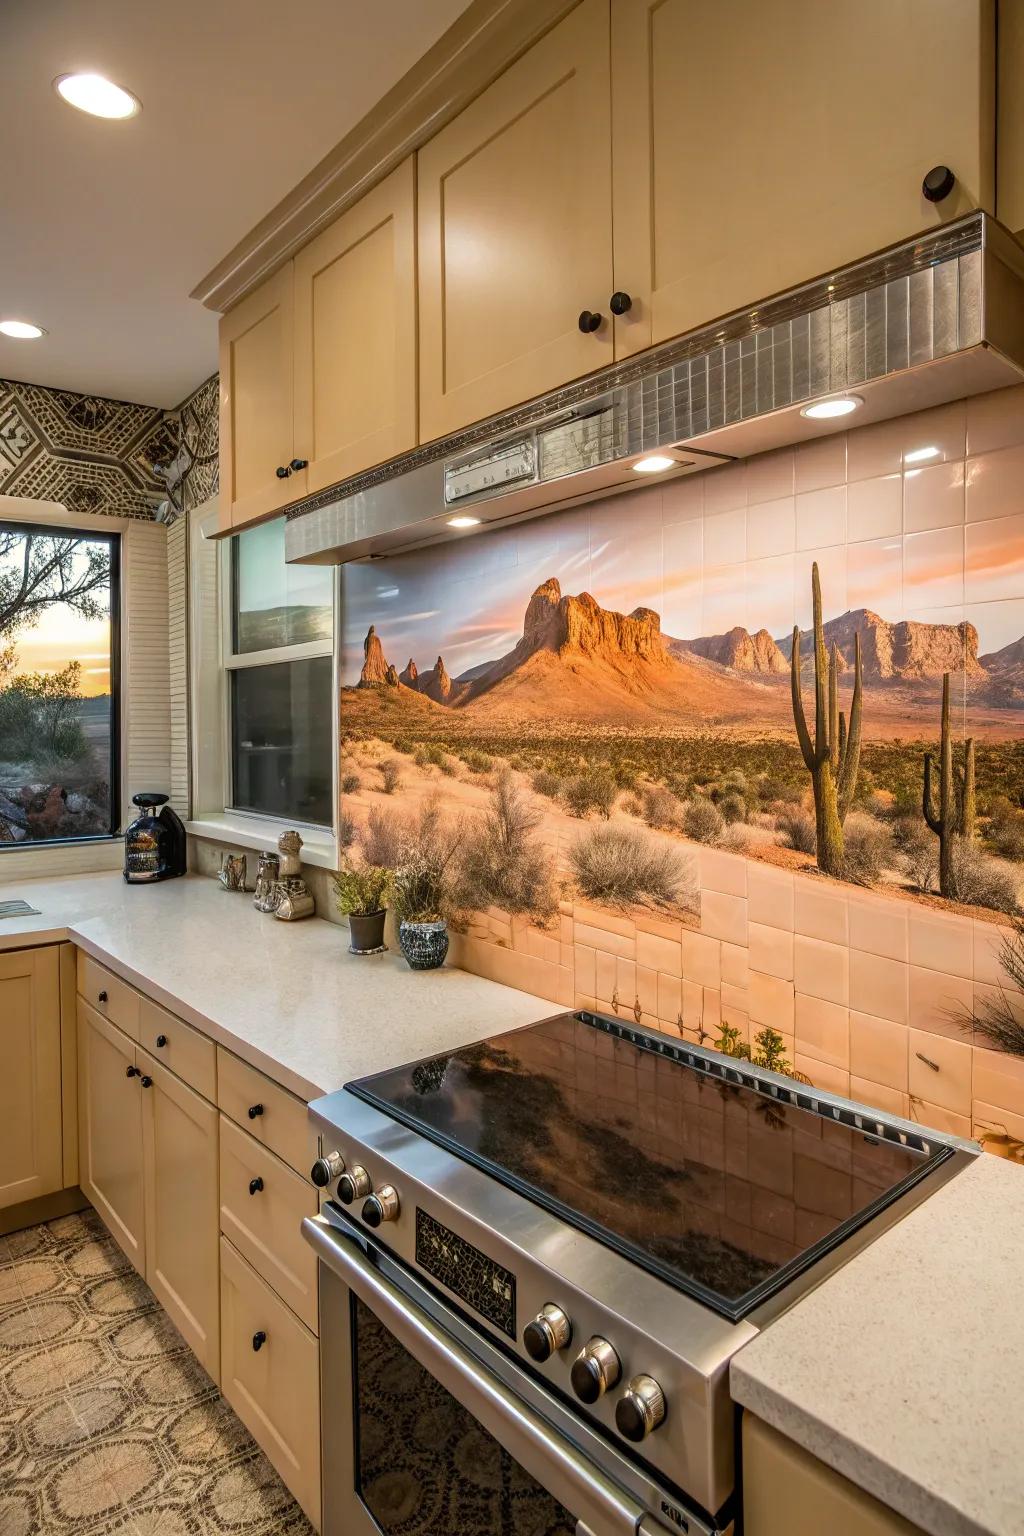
column 154, row 844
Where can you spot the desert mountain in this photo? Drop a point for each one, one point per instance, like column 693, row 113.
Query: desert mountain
column 739, row 649
column 902, row 652
column 436, row 683
column 409, row 676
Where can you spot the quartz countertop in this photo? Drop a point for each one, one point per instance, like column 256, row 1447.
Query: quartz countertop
column 904, row 1370
column 287, row 997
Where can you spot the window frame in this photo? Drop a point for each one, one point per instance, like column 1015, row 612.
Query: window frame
column 64, row 523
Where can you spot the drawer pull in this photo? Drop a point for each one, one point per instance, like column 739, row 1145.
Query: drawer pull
column 132, row 1072
column 255, row 1185
column 101, row 997
column 255, row 1110
column 258, row 1341
column 161, row 1041
column 147, row 1082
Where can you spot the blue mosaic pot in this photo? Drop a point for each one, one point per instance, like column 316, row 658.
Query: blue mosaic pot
column 424, row 945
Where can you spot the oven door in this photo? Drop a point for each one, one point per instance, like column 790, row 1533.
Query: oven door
column 430, row 1430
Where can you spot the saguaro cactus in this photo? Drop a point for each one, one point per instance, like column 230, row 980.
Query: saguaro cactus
column 833, row 757
column 954, row 816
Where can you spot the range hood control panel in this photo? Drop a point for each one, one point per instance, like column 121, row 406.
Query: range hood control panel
column 565, row 447
column 497, row 469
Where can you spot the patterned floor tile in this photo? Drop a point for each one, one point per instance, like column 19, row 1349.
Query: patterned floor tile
column 109, row 1426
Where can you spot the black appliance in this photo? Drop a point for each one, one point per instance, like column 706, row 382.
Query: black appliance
column 154, row 844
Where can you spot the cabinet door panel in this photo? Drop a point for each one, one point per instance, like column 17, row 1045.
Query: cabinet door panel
column 110, row 1130
column 30, row 1092
column 750, row 160
column 256, row 404
column 181, row 1182
column 355, row 335
column 514, row 231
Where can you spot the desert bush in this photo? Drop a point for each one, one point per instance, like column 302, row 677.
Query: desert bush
column 39, row 714
column 797, row 828
column 980, row 881
column 390, row 775
column 733, row 807
column 477, row 762
column 592, row 790
column 703, row 821
column 917, row 852
column 1005, row 829
column 659, row 807
column 350, row 783
column 867, row 849
column 381, row 838
column 624, row 865
column 346, row 830
column 632, row 805
column 502, row 862
column 625, row 775
column 546, row 783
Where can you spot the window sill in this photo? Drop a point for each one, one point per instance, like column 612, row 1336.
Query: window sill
column 318, row 845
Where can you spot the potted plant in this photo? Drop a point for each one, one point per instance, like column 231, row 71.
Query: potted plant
column 418, row 899
column 361, row 892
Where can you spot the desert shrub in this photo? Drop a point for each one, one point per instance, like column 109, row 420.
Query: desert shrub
column 546, row 783
column 346, row 830
column 519, row 760
column 632, row 805
column 867, row 849
column 502, row 862
column 1006, row 828
column 703, row 821
column 659, row 807
column 592, row 790
column 390, row 775
column 917, row 852
column 39, row 713
column 361, row 888
column 624, row 864
column 625, row 775
column 350, row 782
column 980, row 881
column 405, row 745
column 797, row 828
column 381, row 838
column 477, row 762
column 733, row 807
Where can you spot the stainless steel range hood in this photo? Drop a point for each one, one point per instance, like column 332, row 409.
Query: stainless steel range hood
column 935, row 319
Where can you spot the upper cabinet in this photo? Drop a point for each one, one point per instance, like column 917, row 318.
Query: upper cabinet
column 515, row 231
column 748, row 159
column 257, row 475
column 355, row 336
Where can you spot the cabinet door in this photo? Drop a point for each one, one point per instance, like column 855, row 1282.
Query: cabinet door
column 30, row 1095
column 179, row 1137
column 749, row 159
column 256, row 404
column 110, row 1130
column 514, row 231
column 355, row 335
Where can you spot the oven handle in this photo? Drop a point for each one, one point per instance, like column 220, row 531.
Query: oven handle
column 602, row 1508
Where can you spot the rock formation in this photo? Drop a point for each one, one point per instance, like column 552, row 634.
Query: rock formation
column 375, row 667
column 436, row 683
column 391, row 675
column 904, row 651
column 410, row 675
column 740, row 650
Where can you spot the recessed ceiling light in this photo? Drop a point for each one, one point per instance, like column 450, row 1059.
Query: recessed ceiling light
column 96, row 95
column 839, row 405
column 463, row 522
column 918, row 455
column 22, row 330
column 654, row 464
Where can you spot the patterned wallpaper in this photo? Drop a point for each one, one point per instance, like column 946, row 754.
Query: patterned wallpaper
column 107, row 456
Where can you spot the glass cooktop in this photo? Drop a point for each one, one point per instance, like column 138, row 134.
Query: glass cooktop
column 714, row 1186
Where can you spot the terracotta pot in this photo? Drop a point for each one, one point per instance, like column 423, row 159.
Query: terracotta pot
column 366, row 932
column 424, row 945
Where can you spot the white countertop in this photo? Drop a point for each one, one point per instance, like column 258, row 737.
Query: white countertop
column 287, row 997
column 905, row 1369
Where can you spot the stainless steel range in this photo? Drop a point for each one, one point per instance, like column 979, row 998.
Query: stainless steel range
column 539, row 1253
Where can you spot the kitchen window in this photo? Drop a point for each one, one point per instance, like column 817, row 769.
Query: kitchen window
column 59, row 684
column 279, row 661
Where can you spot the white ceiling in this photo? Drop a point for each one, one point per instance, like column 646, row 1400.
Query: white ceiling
column 105, row 227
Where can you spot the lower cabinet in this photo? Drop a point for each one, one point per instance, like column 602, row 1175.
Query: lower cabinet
column 31, row 1140
column 110, row 1130
column 270, row 1374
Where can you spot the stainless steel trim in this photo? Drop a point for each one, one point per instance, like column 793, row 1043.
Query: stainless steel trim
column 606, row 1509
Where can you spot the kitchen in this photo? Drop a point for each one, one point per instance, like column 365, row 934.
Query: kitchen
column 511, row 809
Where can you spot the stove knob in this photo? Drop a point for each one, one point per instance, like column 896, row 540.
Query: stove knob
column 641, row 1408
column 354, row 1185
column 327, row 1169
column 595, row 1369
column 550, row 1330
column 381, row 1206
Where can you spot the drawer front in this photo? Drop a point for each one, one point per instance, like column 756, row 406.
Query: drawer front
column 275, row 1390
column 273, row 1115
column 176, row 1045
column 108, row 994
column 262, row 1203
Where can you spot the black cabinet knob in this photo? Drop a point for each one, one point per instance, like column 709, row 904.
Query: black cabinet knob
column 283, row 471
column 938, row 183
column 258, row 1340
column 255, row 1110
column 147, row 1082
column 161, row 1041
column 590, row 320
column 620, row 303
column 255, row 1185
column 101, row 997
column 299, row 463
column 131, row 1072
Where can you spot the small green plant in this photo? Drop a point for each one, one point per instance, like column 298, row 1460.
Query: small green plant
column 419, row 892
column 770, row 1051
column 731, row 1043
column 360, row 889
